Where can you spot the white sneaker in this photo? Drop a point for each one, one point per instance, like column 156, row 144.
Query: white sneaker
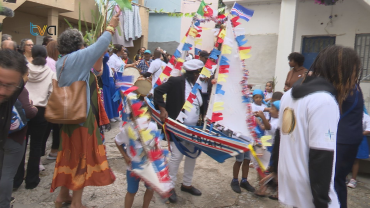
column 352, row 183
column 117, row 118
column 113, row 120
column 41, row 167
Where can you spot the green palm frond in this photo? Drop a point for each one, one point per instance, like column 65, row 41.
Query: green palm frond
column 69, row 24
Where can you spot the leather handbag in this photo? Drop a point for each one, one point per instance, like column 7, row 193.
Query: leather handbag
column 67, row 105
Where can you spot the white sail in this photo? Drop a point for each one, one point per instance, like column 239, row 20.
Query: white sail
column 234, row 111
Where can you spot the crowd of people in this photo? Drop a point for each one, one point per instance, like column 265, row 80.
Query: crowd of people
column 318, row 124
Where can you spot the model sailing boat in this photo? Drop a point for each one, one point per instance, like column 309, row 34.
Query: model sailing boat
column 228, row 109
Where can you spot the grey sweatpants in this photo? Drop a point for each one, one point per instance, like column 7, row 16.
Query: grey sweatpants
column 10, row 158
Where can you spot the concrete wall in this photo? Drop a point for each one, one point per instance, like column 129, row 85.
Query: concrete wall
column 164, row 30
column 19, row 25
column 86, row 7
column 262, row 34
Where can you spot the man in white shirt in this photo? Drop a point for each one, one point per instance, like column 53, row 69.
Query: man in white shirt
column 309, row 116
column 155, row 68
column 178, row 90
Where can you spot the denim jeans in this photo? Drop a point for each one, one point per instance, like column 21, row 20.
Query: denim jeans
column 37, row 127
column 11, row 156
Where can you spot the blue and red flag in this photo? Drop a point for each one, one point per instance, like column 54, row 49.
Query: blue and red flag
column 242, row 12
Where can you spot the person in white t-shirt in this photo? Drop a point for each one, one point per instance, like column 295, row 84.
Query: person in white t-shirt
column 270, row 128
column 132, row 181
column 309, row 116
column 155, row 68
column 269, row 88
column 259, row 103
column 116, row 64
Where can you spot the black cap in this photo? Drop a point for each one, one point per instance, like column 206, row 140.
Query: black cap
column 203, row 54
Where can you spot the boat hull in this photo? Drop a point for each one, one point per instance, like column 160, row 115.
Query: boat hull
column 215, row 144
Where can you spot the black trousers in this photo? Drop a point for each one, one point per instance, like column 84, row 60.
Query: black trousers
column 346, row 155
column 37, row 127
column 55, row 144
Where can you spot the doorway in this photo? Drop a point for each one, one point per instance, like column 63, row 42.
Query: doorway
column 311, row 46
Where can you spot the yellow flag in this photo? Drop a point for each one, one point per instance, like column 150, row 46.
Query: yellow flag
column 226, row 49
column 188, row 106
column 245, row 54
column 198, row 41
column 193, row 32
column 206, row 72
column 163, row 76
column 222, row 34
column 265, row 140
column 180, row 60
column 146, row 135
column 218, row 106
column 131, row 133
column 221, row 78
column 183, row 40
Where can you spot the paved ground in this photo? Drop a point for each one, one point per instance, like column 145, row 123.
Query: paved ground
column 210, row 177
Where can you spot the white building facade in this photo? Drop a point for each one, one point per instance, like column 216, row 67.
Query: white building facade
column 280, row 27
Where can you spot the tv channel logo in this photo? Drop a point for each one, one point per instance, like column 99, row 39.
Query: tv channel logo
column 41, row 31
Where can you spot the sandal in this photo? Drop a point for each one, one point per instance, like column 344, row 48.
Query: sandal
column 273, row 197
column 260, row 195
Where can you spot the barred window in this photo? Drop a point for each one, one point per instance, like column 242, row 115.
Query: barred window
column 362, row 47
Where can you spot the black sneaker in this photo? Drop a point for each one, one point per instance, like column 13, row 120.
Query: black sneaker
column 247, row 186
column 12, row 200
column 173, row 196
column 192, row 191
column 235, row 186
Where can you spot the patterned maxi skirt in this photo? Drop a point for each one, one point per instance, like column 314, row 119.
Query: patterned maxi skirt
column 81, row 159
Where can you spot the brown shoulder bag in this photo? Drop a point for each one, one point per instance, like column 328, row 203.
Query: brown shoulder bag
column 67, row 105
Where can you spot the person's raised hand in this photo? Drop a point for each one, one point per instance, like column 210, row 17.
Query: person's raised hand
column 115, row 20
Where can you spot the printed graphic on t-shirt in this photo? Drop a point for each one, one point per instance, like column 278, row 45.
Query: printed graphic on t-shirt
column 289, row 121
column 329, row 136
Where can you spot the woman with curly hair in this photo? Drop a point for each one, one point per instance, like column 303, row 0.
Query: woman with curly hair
column 81, row 159
column 25, row 49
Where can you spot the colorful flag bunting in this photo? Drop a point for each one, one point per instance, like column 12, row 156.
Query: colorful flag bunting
column 177, row 54
column 222, row 78
column 223, row 69
column 198, row 41
column 226, row 49
column 209, row 64
column 214, row 54
column 191, row 97
column 234, row 21
column 167, row 71
column 206, row 72
column 218, row 106
column 188, row 106
column 129, row 90
column 196, row 87
column 216, row 117
column 197, row 51
column 219, row 90
column 224, row 61
column 242, row 12
column 172, row 61
column 187, row 47
column 240, row 40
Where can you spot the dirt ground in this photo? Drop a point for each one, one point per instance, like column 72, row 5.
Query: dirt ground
column 211, row 177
